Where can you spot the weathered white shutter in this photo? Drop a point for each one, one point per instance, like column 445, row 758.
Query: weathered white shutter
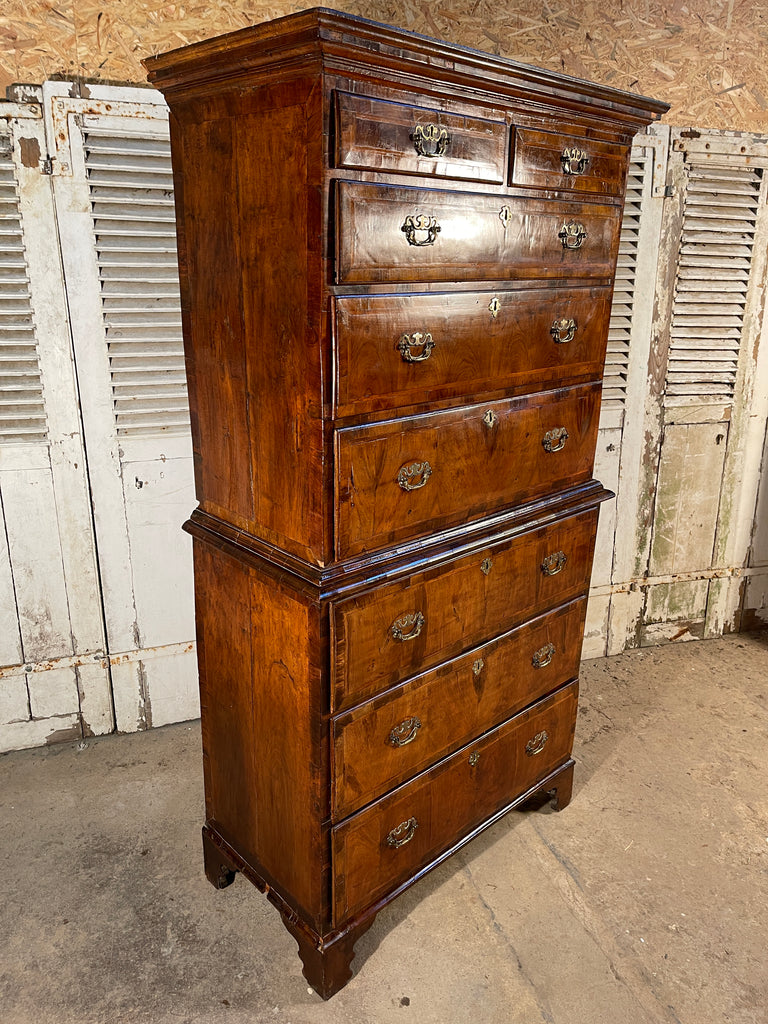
column 113, row 190
column 54, row 682
column 712, row 414
column 690, row 421
column 622, row 416
column 22, row 413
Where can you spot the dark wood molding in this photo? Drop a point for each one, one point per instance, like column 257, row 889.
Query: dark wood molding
column 349, row 44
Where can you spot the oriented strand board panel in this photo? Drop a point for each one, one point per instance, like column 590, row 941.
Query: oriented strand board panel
column 702, row 56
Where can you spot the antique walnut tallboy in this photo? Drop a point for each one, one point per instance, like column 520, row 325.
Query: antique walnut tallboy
column 397, row 259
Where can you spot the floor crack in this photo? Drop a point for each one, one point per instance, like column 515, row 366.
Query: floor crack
column 505, row 938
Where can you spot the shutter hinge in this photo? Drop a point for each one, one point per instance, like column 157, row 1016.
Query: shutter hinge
column 660, row 147
column 47, row 165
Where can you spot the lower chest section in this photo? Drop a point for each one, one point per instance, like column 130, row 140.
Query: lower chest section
column 353, row 741
column 453, row 693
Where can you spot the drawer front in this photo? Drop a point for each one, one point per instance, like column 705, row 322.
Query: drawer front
column 404, row 478
column 378, row 135
column 390, row 738
column 384, row 845
column 395, row 631
column 395, row 350
column 549, row 160
column 388, row 234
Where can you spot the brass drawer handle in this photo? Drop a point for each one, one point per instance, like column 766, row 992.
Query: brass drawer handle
column 554, row 440
column 405, row 733
column 563, row 330
column 574, row 160
column 430, row 139
column 543, row 656
column 572, row 235
column 403, row 834
column 421, row 222
column 407, row 627
column 415, row 476
column 554, row 563
column 418, row 340
column 537, row 744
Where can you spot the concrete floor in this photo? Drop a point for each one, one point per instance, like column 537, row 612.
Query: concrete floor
column 645, row 901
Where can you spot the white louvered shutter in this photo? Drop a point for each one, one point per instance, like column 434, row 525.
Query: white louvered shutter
column 131, row 192
column 114, row 195
column 622, row 308
column 714, row 267
column 54, row 680
column 22, row 410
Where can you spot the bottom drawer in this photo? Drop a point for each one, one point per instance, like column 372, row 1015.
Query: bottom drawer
column 382, row 846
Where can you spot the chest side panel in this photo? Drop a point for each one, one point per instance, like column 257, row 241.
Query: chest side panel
column 255, row 331
column 265, row 757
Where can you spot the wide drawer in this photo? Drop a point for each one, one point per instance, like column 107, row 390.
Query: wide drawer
column 385, row 233
column 403, row 478
column 392, row 737
column 555, row 161
column 389, row 633
column 379, row 135
column 395, row 350
column 382, row 846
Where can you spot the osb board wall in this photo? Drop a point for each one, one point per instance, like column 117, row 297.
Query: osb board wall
column 705, row 57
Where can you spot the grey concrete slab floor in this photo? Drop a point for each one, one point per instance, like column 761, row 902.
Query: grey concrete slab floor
column 644, row 901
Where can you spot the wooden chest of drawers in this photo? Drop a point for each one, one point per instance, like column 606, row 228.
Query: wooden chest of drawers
column 396, row 262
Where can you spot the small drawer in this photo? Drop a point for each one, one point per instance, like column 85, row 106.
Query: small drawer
column 378, row 135
column 392, row 632
column 377, row 849
column 396, row 350
column 388, row 234
column 552, row 161
column 392, row 737
column 404, row 478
